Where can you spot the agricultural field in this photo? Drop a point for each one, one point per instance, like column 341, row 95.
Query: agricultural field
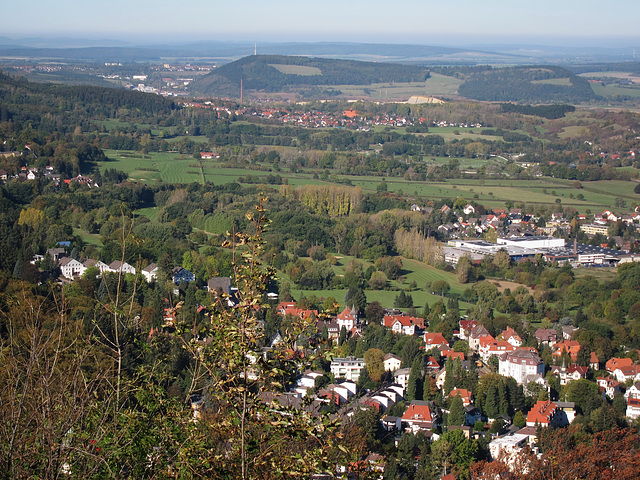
column 613, row 90
column 303, row 70
column 177, row 168
column 435, row 85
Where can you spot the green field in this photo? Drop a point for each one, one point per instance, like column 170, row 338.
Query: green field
column 296, row 69
column 435, row 85
column 554, row 81
column 613, row 90
column 177, row 168
column 412, row 271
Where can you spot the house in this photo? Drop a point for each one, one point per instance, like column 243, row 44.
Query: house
column 391, row 362
column 472, row 414
column 121, row 267
column 91, row 263
column 401, row 324
column 348, row 318
column 419, row 416
column 511, row 336
column 150, row 272
column 610, row 386
column 633, row 391
column 633, row 408
column 614, row 363
column 219, row 285
column 488, row 346
column 568, row 331
column 594, row 361
column 508, row 448
column 70, row 267
column 179, row 275
column 571, row 347
column 333, row 332
column 469, row 209
column 434, row 340
column 568, row 374
column 57, row 253
column 624, row 374
column 465, row 394
column 546, row 336
column 475, row 335
column 348, row 368
column 547, row 413
column 401, row 377
column 519, row 364
column 466, row 326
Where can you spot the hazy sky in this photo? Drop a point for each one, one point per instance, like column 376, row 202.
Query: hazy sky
column 400, row 21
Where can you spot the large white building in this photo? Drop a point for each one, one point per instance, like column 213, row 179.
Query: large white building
column 519, row 364
column 348, row 368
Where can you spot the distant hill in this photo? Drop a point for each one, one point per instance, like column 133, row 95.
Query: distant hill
column 274, row 73
column 532, row 84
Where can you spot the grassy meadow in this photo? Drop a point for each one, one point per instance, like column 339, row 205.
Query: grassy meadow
column 176, row 168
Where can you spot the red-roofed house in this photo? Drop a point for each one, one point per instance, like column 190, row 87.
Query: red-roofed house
column 624, row 374
column 400, row 324
column 489, row 346
column 476, row 334
column 594, row 361
column 453, row 354
column 608, row 386
column 614, row 363
column 570, row 346
column 348, row 318
column 511, row 336
column 465, row 394
column 465, row 328
column 573, row 372
column 542, row 413
column 434, row 340
column 418, row 416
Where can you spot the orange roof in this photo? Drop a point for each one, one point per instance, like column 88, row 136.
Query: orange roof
column 614, row 363
column 571, row 347
column 418, row 412
column 453, row 355
column 435, row 339
column 350, row 113
column 541, row 412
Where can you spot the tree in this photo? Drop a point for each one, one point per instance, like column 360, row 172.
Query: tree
column 464, row 270
column 378, row 281
column 414, row 385
column 373, row 359
column 456, row 411
column 374, row 312
column 453, row 451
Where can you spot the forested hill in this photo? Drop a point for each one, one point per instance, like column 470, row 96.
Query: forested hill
column 61, row 108
column 533, row 84
column 274, row 73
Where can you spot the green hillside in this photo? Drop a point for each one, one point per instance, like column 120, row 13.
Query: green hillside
column 274, row 73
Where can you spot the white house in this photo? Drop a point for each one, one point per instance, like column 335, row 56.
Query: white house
column 391, row 362
column 520, row 363
column 70, row 267
column 150, row 272
column 121, row 267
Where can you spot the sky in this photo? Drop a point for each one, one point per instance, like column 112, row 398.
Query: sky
column 545, row 22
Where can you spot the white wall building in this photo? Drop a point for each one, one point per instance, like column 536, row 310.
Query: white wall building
column 519, row 364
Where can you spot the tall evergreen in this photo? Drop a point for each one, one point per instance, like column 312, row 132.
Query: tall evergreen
column 456, row 411
column 414, row 386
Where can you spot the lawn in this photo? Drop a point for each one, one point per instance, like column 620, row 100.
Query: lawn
column 412, row 271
